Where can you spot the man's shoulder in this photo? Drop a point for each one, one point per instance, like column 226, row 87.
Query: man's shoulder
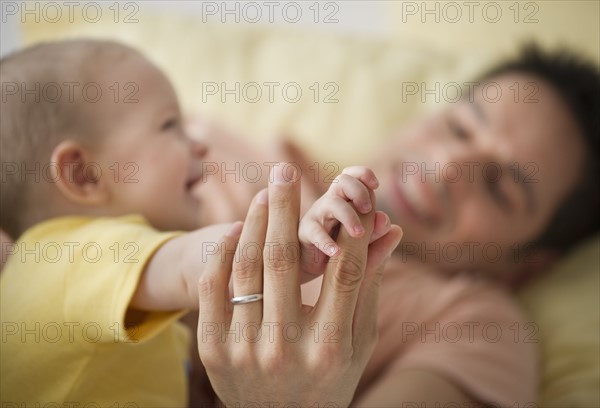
column 463, row 327
column 420, row 291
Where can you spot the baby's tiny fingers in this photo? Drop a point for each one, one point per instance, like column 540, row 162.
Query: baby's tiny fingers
column 342, row 211
column 349, row 188
column 364, row 174
column 321, row 239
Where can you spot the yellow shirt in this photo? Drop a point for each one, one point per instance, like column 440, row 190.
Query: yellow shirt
column 64, row 294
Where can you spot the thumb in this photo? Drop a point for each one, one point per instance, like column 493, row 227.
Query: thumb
column 365, row 316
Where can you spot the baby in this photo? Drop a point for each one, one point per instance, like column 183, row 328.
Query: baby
column 97, row 173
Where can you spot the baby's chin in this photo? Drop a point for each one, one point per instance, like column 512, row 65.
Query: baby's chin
column 180, row 221
column 190, row 223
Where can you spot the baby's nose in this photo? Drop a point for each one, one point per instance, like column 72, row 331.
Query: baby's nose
column 199, row 148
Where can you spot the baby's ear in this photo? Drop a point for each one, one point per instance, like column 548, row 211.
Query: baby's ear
column 77, row 176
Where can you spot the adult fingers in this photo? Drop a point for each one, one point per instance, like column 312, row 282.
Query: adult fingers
column 282, row 250
column 365, row 315
column 248, row 264
column 213, row 292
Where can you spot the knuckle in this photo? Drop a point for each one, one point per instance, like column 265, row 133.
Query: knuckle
column 242, row 359
column 206, row 286
column 280, row 201
column 280, row 267
column 212, row 362
column 278, row 260
column 245, row 270
column 330, row 355
column 276, row 361
column 343, row 179
column 323, row 360
column 348, row 273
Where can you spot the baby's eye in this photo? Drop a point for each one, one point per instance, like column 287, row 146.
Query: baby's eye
column 169, row 124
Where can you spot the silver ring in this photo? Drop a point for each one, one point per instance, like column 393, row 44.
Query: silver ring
column 240, row 300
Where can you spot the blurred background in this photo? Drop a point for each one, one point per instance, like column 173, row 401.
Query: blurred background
column 335, row 76
column 338, row 78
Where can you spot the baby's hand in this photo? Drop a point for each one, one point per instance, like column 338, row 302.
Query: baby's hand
column 350, row 193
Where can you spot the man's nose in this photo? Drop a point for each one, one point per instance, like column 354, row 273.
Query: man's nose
column 463, row 169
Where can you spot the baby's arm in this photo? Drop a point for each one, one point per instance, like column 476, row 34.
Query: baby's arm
column 170, row 279
column 350, row 193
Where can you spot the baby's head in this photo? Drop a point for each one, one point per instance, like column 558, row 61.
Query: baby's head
column 93, row 128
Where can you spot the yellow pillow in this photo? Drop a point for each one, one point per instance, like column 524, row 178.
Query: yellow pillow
column 500, row 26
column 566, row 307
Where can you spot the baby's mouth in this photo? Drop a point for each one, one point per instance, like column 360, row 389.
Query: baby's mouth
column 193, row 181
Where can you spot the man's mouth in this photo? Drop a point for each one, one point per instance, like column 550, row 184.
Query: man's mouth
column 415, row 198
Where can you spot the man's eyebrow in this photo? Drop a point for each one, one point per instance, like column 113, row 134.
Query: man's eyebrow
column 479, row 112
column 526, row 185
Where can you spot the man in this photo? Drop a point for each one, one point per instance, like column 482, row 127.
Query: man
column 489, row 193
column 512, row 189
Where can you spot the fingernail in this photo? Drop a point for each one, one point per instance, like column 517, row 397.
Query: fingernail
column 366, row 207
column 375, row 182
column 359, row 230
column 262, row 197
column 235, row 230
column 284, row 173
column 332, row 250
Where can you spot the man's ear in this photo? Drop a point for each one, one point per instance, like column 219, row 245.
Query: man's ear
column 78, row 177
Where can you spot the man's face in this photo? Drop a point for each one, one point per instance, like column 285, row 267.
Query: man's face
column 473, row 185
column 149, row 162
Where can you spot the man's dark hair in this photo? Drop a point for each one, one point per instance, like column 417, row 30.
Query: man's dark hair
column 577, row 82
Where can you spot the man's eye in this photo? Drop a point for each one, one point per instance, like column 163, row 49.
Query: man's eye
column 457, row 130
column 169, row 124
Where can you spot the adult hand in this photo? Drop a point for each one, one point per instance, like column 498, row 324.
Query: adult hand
column 278, row 351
